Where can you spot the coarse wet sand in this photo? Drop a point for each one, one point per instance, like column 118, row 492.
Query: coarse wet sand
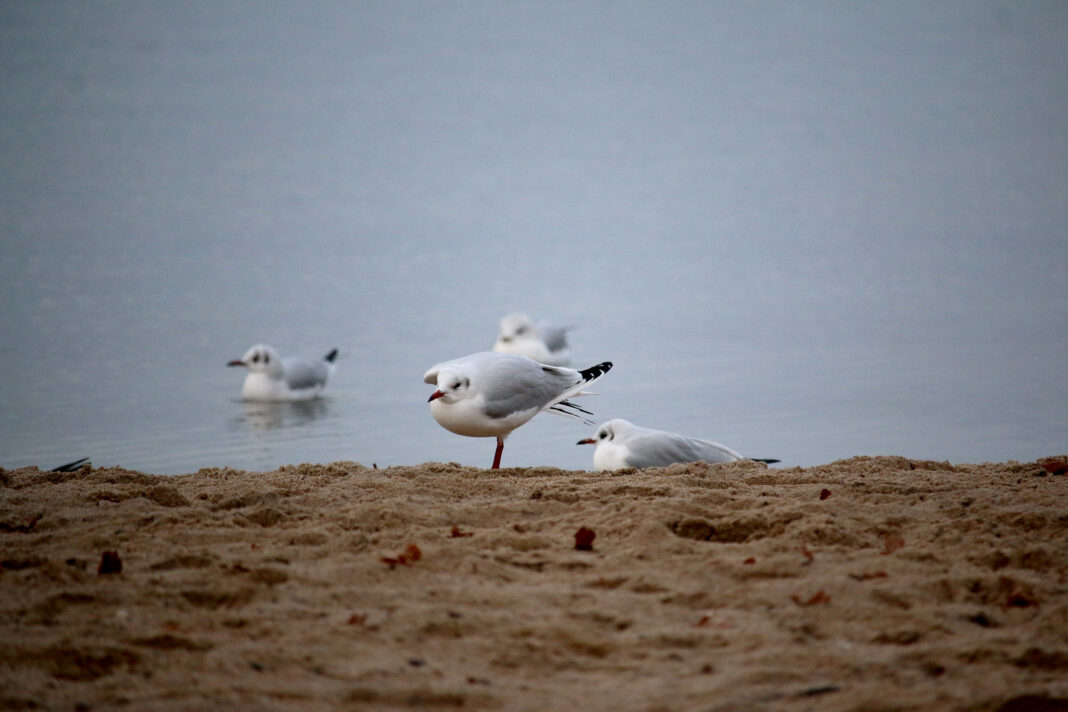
column 874, row 583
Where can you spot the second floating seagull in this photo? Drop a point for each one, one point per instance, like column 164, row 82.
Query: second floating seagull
column 273, row 378
column 544, row 343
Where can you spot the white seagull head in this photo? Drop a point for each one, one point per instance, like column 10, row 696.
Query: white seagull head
column 611, row 441
column 452, row 386
column 261, row 358
column 518, row 336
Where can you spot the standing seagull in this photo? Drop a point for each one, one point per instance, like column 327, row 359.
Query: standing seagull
column 273, row 378
column 621, row 443
column 544, row 343
column 490, row 395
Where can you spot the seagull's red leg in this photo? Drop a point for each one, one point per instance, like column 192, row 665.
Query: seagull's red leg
column 497, row 455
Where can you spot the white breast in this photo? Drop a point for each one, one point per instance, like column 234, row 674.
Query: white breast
column 261, row 387
column 465, row 417
column 610, row 456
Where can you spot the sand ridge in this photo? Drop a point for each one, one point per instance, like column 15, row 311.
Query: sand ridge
column 875, row 583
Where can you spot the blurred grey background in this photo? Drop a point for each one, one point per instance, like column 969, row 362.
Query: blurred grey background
column 806, row 230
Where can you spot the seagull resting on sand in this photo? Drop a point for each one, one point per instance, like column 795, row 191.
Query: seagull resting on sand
column 621, row 444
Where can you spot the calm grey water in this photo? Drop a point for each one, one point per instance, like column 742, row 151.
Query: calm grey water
column 807, row 230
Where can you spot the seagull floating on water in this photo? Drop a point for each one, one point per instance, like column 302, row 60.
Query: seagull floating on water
column 274, row 378
column 544, row 343
column 490, row 394
column 621, row 444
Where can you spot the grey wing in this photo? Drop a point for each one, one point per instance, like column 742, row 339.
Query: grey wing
column 660, row 449
column 304, row 374
column 515, row 386
column 714, row 452
column 555, row 337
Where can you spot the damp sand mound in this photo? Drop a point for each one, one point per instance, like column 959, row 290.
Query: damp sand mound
column 866, row 584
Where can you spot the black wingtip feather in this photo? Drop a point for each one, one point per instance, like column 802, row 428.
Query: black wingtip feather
column 329, row 358
column 585, row 421
column 596, row 371
column 569, row 404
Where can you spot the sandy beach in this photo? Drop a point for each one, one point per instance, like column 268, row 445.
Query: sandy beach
column 865, row 584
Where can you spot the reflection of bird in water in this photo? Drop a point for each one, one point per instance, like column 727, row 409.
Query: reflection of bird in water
column 275, row 378
column 544, row 343
column 272, row 415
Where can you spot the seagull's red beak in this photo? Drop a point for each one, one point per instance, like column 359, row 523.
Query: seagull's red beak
column 236, row 362
column 434, row 396
column 586, row 441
